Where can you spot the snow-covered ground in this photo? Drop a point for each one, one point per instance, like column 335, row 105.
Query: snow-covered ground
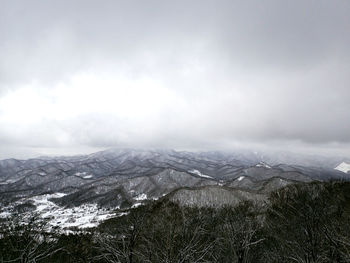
column 343, row 167
column 200, row 174
column 84, row 216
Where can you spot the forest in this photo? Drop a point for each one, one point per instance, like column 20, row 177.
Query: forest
column 303, row 222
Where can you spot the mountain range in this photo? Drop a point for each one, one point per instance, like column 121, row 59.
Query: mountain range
column 125, row 178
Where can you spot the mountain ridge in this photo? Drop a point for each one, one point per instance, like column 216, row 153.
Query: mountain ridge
column 126, row 178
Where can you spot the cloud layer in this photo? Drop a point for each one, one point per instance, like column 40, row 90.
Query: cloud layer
column 77, row 76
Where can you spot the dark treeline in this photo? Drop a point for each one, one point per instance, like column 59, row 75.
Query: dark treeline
column 300, row 223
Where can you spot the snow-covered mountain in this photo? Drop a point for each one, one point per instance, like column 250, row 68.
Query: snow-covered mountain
column 59, row 188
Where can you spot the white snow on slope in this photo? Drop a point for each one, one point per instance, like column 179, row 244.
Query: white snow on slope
column 343, row 167
column 10, row 181
column 141, row 197
column 200, row 174
column 84, row 175
column 84, row 216
column 136, row 205
column 262, row 164
column 5, row 214
column 42, row 202
column 240, row 178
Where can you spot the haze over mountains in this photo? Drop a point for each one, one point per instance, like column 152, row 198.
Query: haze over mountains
column 125, row 178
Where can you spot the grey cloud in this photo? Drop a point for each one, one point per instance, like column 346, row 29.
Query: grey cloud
column 248, row 72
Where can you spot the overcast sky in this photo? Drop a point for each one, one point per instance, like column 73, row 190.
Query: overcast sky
column 79, row 76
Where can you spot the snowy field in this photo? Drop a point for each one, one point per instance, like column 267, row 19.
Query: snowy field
column 84, row 216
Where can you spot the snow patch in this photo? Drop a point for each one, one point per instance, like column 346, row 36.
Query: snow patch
column 9, row 181
column 5, row 214
column 156, row 198
column 141, row 197
column 84, row 175
column 262, row 164
column 343, row 167
column 200, row 174
column 240, row 178
column 136, row 205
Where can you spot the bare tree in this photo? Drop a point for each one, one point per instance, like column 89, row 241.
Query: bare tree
column 177, row 235
column 239, row 229
column 27, row 242
column 119, row 243
column 307, row 224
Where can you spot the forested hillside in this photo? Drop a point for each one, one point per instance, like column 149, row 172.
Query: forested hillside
column 303, row 222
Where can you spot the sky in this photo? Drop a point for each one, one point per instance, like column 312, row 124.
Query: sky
column 81, row 76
